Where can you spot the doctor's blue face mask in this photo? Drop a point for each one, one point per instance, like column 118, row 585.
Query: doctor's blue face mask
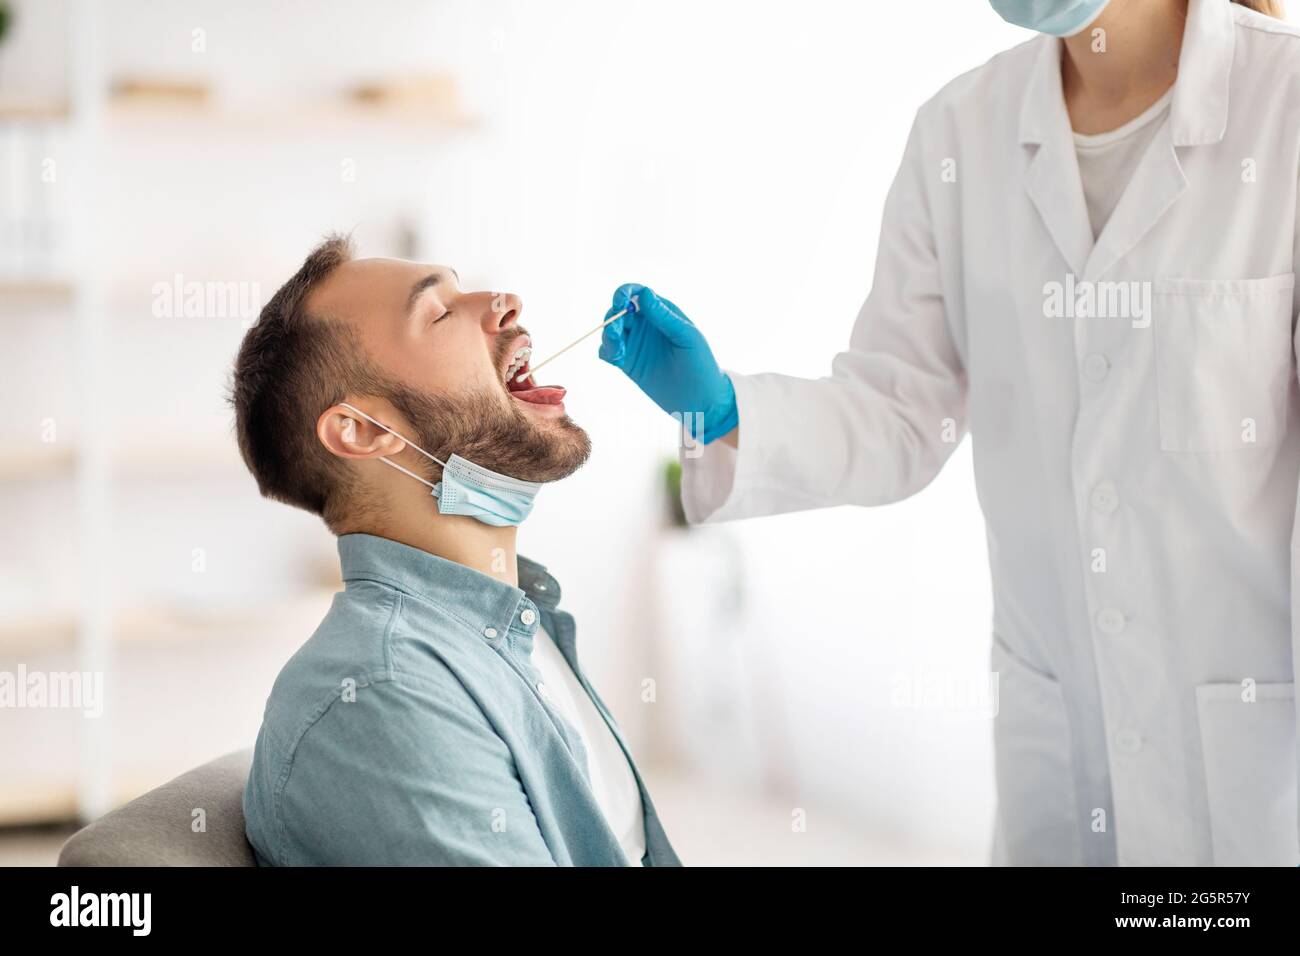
column 469, row 489
column 1058, row 18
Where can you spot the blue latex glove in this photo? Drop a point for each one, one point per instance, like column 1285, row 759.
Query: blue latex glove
column 661, row 350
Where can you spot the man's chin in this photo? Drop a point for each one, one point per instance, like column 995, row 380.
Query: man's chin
column 530, row 441
column 549, row 446
column 567, row 449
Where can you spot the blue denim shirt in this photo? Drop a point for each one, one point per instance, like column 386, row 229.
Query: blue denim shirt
column 409, row 728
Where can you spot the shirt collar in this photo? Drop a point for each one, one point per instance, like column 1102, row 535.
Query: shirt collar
column 492, row 608
column 1199, row 112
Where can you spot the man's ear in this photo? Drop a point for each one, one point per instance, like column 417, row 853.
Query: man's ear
column 348, row 435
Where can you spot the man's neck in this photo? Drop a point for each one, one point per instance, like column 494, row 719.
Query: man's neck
column 458, row 538
column 1110, row 82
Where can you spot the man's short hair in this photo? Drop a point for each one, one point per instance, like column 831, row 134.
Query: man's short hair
column 292, row 365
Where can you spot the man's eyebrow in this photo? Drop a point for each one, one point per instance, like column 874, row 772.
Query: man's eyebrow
column 428, row 282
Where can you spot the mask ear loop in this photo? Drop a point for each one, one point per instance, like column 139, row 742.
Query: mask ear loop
column 393, row 464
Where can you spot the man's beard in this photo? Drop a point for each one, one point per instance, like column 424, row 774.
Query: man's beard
column 501, row 438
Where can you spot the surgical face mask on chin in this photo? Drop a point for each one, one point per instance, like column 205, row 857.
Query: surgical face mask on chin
column 1058, row 18
column 469, row 489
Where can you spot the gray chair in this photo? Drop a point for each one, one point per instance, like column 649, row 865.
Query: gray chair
column 156, row 829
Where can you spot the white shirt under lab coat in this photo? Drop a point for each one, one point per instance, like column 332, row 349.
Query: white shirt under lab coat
column 1137, row 467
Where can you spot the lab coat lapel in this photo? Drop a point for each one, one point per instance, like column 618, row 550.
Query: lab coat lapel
column 1052, row 177
column 1156, row 185
column 1198, row 115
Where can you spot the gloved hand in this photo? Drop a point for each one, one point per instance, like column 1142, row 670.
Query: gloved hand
column 661, row 350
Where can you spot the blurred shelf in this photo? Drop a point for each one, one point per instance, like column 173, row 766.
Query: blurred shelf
column 166, row 460
column 135, row 296
column 411, row 106
column 404, row 122
column 38, row 462
column 33, row 289
column 37, row 632
column 33, row 109
column 174, row 623
column 22, row 802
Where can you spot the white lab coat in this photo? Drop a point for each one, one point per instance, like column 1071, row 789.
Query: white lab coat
column 1138, row 483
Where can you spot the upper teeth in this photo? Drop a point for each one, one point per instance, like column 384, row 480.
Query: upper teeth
column 518, row 362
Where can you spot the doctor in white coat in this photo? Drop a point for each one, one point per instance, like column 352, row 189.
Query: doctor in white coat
column 1087, row 260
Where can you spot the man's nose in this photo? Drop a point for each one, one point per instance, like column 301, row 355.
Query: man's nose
column 503, row 312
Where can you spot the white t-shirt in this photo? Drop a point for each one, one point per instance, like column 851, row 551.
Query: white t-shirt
column 1107, row 160
column 612, row 780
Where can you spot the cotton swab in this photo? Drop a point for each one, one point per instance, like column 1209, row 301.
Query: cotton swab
column 618, row 315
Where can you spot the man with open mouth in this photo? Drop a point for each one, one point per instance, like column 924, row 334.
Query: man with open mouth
column 438, row 715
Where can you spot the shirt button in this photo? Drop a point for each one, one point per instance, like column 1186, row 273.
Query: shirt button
column 542, row 691
column 1110, row 620
column 1105, row 498
column 528, row 616
column 1129, row 741
column 490, row 633
column 1095, row 367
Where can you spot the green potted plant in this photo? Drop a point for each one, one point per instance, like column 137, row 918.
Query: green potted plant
column 6, row 24
column 672, row 475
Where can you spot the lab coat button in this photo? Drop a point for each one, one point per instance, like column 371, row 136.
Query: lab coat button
column 1110, row 620
column 1095, row 367
column 1129, row 741
column 1104, row 498
column 528, row 616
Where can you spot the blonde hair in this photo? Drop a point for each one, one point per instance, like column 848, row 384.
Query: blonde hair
column 1271, row 8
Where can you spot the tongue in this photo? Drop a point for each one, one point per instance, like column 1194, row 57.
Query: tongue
column 540, row 394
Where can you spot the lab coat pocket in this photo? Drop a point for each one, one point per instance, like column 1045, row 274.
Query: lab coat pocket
column 1223, row 362
column 1249, row 750
column 1038, row 809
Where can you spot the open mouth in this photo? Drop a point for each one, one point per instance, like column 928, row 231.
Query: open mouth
column 519, row 378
